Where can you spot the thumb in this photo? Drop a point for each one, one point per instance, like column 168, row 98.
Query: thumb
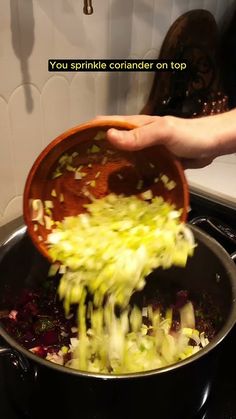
column 138, row 138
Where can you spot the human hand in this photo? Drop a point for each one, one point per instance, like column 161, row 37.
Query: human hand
column 193, row 141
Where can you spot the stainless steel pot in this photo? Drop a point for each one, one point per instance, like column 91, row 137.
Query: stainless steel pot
column 177, row 391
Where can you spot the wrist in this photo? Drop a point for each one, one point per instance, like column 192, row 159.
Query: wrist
column 225, row 133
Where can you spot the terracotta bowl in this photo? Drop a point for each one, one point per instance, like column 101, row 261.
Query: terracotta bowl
column 81, row 164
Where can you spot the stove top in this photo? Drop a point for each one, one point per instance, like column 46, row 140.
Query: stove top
column 218, row 221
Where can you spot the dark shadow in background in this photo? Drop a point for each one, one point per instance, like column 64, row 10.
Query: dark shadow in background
column 227, row 54
column 23, row 42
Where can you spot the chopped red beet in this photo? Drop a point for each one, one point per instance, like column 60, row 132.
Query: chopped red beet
column 40, row 351
column 182, row 298
column 41, row 326
column 49, row 338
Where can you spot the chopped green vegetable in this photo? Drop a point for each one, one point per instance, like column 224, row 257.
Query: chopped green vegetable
column 94, row 149
column 53, row 269
column 56, row 174
column 93, row 183
column 48, row 211
column 107, row 253
column 37, row 210
column 79, row 175
column 48, row 204
column 169, row 184
column 43, row 324
column 140, row 185
column 75, row 154
column 147, row 195
column 97, row 175
column 48, row 222
column 70, row 168
column 65, row 162
column 101, row 135
column 53, row 193
column 137, row 237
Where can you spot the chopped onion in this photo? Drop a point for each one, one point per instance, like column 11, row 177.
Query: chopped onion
column 187, row 316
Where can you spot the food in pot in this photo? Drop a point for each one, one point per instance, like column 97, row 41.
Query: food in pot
column 112, row 334
column 181, row 324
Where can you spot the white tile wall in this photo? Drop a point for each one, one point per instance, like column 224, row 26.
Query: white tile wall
column 35, row 106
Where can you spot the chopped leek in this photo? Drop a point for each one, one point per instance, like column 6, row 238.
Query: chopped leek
column 101, row 135
column 107, row 253
column 116, row 244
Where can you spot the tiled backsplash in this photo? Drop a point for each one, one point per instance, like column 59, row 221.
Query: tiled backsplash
column 36, row 106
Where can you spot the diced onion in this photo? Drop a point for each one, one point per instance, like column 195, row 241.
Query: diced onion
column 187, row 316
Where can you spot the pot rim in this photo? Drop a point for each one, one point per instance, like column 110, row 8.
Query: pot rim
column 227, row 262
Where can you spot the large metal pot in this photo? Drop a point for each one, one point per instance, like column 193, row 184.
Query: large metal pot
column 175, row 392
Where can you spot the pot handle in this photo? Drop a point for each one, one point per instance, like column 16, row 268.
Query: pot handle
column 18, row 360
column 221, row 228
